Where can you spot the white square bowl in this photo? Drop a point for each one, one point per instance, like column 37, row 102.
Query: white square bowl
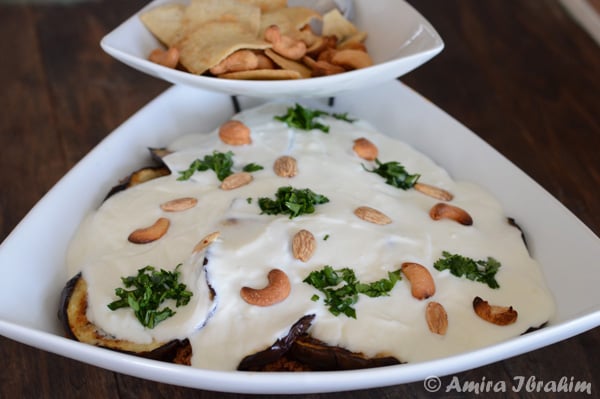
column 399, row 40
column 32, row 258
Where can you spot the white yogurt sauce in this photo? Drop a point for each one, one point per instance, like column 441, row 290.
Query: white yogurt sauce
column 224, row 331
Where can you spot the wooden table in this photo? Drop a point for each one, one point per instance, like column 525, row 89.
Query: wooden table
column 520, row 73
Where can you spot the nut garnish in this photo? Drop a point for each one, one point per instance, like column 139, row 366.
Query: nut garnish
column 235, row 133
column 433, row 191
column 365, row 149
column 150, row 233
column 179, row 204
column 236, row 180
column 285, row 166
column 276, row 290
column 447, row 211
column 499, row 315
column 372, row 215
column 303, row 245
column 205, row 242
column 437, row 318
column 421, row 281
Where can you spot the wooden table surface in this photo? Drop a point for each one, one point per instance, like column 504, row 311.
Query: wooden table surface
column 521, row 74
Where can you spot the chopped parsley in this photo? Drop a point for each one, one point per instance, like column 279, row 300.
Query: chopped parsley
column 343, row 117
column 304, row 118
column 220, row 162
column 252, row 167
column 150, row 289
column 483, row 271
column 341, row 288
column 394, row 174
column 292, row 201
column 326, row 237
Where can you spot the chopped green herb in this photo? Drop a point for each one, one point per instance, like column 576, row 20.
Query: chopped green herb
column 326, row 237
column 249, row 200
column 339, row 297
column 220, row 162
column 343, row 117
column 292, row 201
column 315, row 298
column 394, row 174
column 252, row 167
column 150, row 289
column 303, row 118
column 483, row 271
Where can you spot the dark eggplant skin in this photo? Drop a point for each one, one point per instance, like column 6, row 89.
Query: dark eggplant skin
column 319, row 356
column 139, row 176
column 298, row 351
column 272, row 354
column 72, row 315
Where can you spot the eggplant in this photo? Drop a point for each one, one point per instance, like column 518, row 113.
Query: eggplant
column 139, row 176
column 298, row 351
column 319, row 356
column 72, row 315
column 266, row 358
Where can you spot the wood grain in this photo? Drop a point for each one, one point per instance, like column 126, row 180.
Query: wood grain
column 521, row 74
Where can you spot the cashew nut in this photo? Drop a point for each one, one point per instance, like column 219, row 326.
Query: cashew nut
column 285, row 45
column 421, row 281
column 499, row 315
column 150, row 233
column 352, row 59
column 241, row 60
column 447, row 211
column 168, row 58
column 276, row 291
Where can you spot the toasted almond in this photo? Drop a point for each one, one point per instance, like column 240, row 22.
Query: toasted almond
column 421, row 281
column 179, row 204
column 150, row 233
column 433, row 191
column 447, row 211
column 236, row 180
column 235, row 133
column 372, row 215
column 499, row 315
column 303, row 245
column 365, row 149
column 285, row 166
column 205, row 242
column 437, row 318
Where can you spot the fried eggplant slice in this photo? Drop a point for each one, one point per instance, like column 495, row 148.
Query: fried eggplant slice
column 72, row 314
column 260, row 360
column 139, row 176
column 319, row 356
column 298, row 351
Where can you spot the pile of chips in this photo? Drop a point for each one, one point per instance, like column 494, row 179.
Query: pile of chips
column 255, row 39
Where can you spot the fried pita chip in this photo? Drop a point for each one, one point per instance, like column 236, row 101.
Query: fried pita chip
column 334, row 23
column 164, row 22
column 210, row 43
column 266, row 5
column 290, row 20
column 263, row 74
column 288, row 64
column 200, row 12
